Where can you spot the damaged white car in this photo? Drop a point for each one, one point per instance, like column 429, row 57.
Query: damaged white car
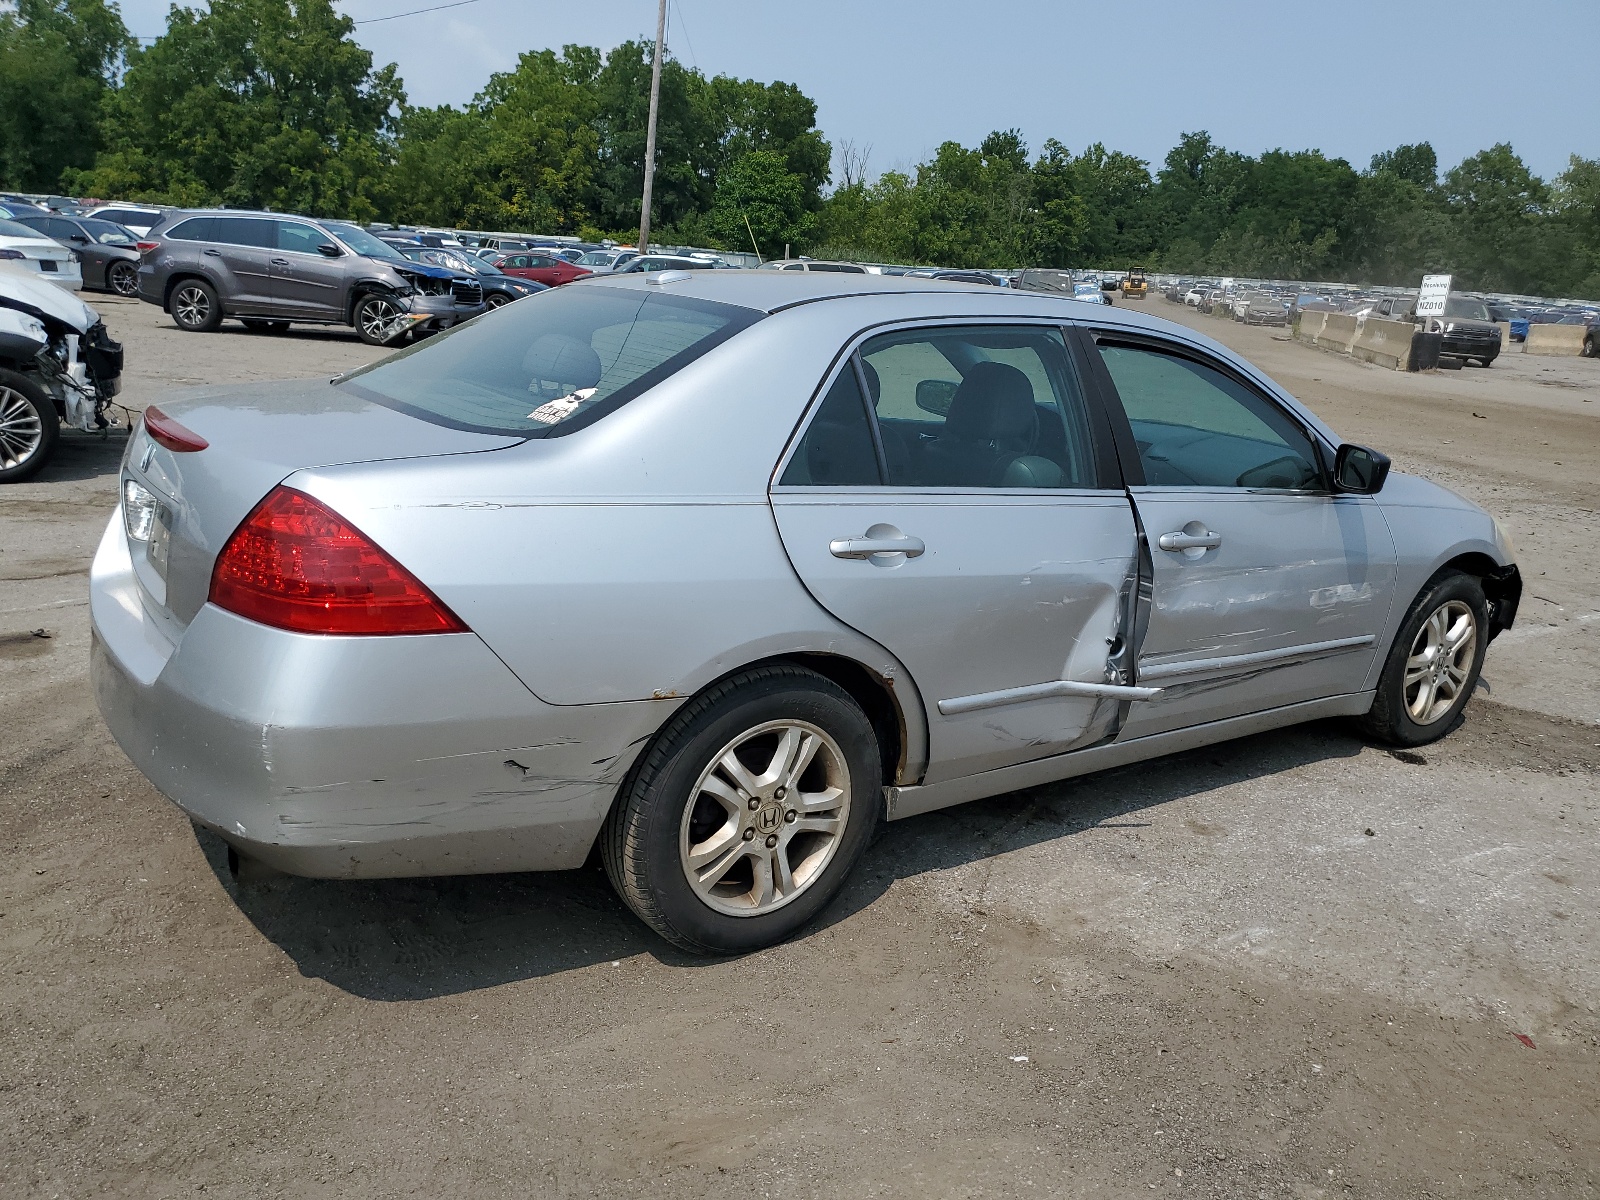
column 58, row 366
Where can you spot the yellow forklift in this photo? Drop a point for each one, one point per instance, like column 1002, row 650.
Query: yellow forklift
column 1134, row 286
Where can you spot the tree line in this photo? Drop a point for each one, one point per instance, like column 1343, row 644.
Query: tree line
column 272, row 103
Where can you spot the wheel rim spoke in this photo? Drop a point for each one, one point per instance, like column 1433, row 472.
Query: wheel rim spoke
column 765, row 818
column 1438, row 672
column 21, row 429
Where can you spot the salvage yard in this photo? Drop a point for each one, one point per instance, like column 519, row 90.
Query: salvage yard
column 1295, row 965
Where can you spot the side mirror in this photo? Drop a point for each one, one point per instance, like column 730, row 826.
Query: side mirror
column 79, row 238
column 936, row 396
column 329, row 250
column 1359, row 470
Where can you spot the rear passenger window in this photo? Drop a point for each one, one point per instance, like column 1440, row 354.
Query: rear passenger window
column 837, row 449
column 246, row 231
column 979, row 407
column 195, row 229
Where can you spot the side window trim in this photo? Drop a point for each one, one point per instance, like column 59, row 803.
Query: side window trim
column 872, row 417
column 1137, row 339
column 1111, row 474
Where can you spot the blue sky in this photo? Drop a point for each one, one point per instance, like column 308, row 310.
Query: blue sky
column 901, row 76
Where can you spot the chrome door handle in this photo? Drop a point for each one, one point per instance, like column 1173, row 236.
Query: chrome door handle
column 279, row 262
column 214, row 253
column 873, row 545
column 1184, row 540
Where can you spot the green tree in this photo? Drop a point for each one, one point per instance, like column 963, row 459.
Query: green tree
column 253, row 102
column 1575, row 201
column 58, row 62
column 758, row 196
column 1498, row 205
column 1417, row 164
column 1060, row 216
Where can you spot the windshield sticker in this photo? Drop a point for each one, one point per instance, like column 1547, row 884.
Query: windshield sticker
column 561, row 408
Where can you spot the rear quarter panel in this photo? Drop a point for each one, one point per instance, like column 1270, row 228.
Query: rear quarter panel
column 635, row 559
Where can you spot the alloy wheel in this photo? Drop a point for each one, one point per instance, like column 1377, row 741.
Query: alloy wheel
column 21, row 429
column 124, row 279
column 765, row 819
column 497, row 300
column 191, row 306
column 377, row 316
column 1441, row 662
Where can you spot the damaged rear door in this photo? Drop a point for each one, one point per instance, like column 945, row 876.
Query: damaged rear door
column 969, row 517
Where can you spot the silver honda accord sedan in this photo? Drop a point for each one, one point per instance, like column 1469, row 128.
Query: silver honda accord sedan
column 713, row 572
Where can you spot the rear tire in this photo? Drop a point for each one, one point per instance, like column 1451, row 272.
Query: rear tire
column 29, row 427
column 123, row 279
column 195, row 307
column 746, row 815
column 1434, row 663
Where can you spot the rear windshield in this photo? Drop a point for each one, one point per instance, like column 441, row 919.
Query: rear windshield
column 550, row 363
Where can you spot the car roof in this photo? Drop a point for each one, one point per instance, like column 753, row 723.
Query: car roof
column 774, row 291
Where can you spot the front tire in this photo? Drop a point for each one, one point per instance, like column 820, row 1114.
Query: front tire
column 195, row 307
column 1434, row 663
column 29, row 427
column 374, row 318
column 497, row 300
column 745, row 817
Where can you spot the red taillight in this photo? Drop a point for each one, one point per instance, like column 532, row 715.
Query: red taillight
column 297, row 565
column 146, row 247
column 171, row 434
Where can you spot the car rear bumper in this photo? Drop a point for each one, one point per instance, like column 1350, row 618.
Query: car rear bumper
column 353, row 757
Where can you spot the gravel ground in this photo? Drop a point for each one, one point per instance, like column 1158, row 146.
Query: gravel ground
column 1290, row 966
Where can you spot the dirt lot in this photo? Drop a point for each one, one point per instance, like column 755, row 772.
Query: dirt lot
column 1292, row 966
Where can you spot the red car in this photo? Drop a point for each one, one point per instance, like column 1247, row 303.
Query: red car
column 541, row 268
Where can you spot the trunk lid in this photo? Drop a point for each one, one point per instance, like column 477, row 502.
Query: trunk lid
column 259, row 434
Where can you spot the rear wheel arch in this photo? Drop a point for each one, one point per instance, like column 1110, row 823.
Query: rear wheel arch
column 179, row 277
column 877, row 699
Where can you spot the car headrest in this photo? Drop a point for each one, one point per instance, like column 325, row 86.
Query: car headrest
column 561, row 358
column 994, row 404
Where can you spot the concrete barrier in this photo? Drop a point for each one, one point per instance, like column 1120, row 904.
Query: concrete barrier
column 1338, row 332
column 1554, row 339
column 1505, row 335
column 1310, row 325
column 1386, row 343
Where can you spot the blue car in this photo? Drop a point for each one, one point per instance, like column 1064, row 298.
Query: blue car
column 1515, row 317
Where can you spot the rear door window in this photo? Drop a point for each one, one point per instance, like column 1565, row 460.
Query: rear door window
column 195, row 229
column 551, row 363
column 246, row 231
column 960, row 407
column 837, row 450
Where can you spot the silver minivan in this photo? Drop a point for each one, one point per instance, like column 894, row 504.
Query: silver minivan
column 268, row 270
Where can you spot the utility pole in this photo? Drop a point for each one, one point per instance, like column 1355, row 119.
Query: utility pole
column 650, row 134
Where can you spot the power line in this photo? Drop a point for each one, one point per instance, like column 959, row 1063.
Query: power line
column 375, row 20
column 415, row 12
